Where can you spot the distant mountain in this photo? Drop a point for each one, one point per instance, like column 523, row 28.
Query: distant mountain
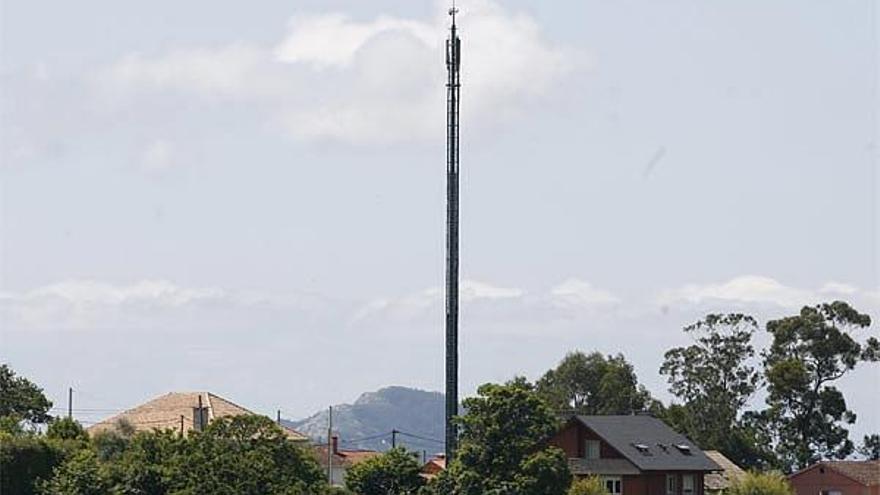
column 367, row 424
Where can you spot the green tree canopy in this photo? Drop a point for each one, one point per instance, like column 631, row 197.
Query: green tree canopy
column 714, row 378
column 502, row 446
column 247, row 455
column 870, row 447
column 66, row 429
column 806, row 414
column 21, row 399
column 80, row 475
column 395, row 471
column 593, row 384
column 25, row 460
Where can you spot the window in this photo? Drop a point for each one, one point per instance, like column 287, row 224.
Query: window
column 830, row 492
column 591, row 449
column 613, row 485
column 687, row 484
column 642, row 448
column 684, row 449
column 671, row 484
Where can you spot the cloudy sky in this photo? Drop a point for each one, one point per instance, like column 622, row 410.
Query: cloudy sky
column 249, row 198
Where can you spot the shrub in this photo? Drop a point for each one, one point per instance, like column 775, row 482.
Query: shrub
column 591, row 485
column 770, row 483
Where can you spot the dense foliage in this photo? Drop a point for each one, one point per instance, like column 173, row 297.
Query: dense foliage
column 27, row 458
column 395, row 471
column 870, row 447
column 806, row 414
column 237, row 455
column 714, row 378
column 593, row 384
column 20, row 399
column 502, row 449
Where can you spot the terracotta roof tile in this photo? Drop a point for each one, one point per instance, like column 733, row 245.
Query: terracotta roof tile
column 344, row 458
column 865, row 472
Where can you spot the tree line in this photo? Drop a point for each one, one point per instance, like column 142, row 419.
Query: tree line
column 805, row 417
column 503, row 429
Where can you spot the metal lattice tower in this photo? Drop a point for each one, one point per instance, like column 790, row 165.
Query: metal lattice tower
column 453, row 65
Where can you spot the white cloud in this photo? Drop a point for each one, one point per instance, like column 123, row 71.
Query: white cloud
column 471, row 290
column 228, row 70
column 426, row 301
column 90, row 292
column 333, row 40
column 838, row 288
column 91, row 304
column 743, row 289
column 578, row 293
column 754, row 289
column 374, row 81
column 495, row 305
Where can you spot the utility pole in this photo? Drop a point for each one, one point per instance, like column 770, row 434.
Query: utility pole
column 181, row 425
column 278, row 417
column 330, row 447
column 70, row 403
column 393, row 439
column 453, row 64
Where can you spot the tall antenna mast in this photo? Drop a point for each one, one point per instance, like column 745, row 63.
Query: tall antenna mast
column 453, row 64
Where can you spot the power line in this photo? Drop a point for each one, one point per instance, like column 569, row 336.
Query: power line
column 412, row 435
column 364, row 439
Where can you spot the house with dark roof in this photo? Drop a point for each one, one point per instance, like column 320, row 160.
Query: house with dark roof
column 838, row 478
column 634, row 455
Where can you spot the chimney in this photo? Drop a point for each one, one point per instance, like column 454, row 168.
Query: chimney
column 335, row 445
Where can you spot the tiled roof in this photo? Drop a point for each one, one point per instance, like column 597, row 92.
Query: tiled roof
column 166, row 411
column 343, row 458
column 581, row 467
column 723, row 479
column 864, row 472
column 437, row 462
column 434, row 466
column 664, row 449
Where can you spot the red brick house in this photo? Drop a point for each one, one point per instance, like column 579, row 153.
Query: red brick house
column 838, row 478
column 634, row 455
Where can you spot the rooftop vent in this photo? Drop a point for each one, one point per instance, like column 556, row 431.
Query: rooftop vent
column 663, row 447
